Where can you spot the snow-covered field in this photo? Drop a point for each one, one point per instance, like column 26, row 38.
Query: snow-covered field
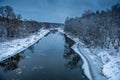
column 13, row 47
column 103, row 64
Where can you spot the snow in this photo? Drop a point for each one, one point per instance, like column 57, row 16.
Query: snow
column 111, row 64
column 112, row 70
column 13, row 47
column 85, row 65
column 99, row 64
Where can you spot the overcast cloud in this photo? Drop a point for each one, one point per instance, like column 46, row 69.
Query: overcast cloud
column 55, row 10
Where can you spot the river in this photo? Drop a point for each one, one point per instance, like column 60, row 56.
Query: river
column 51, row 58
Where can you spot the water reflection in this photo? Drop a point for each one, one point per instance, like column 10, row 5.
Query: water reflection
column 73, row 60
column 31, row 48
column 11, row 63
column 54, row 31
column 61, row 62
column 51, row 31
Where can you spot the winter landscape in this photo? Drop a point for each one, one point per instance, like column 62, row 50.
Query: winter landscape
column 59, row 40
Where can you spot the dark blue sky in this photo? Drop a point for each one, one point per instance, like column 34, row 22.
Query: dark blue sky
column 55, row 10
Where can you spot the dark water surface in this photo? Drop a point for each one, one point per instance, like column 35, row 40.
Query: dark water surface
column 51, row 58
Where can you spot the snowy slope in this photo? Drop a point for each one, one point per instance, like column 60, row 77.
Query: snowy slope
column 104, row 63
column 13, row 47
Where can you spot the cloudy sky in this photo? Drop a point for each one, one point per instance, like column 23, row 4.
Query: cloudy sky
column 55, row 10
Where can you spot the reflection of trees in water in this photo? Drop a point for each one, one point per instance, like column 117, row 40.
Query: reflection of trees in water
column 31, row 48
column 51, row 31
column 69, row 41
column 47, row 34
column 54, row 31
column 73, row 59
column 12, row 62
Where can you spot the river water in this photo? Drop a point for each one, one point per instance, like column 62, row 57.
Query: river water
column 51, row 58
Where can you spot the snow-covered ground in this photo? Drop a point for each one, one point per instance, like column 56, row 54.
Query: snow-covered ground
column 86, row 66
column 13, row 47
column 99, row 64
column 111, row 62
column 103, row 64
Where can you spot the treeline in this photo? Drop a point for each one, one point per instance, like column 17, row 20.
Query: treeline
column 97, row 29
column 12, row 26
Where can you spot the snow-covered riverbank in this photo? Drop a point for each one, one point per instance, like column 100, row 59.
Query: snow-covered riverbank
column 99, row 64
column 86, row 67
column 13, row 47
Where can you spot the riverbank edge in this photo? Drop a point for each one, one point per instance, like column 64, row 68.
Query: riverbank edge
column 8, row 49
column 90, row 69
column 102, row 65
column 86, row 66
column 95, row 71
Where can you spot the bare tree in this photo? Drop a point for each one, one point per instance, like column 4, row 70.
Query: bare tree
column 7, row 12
